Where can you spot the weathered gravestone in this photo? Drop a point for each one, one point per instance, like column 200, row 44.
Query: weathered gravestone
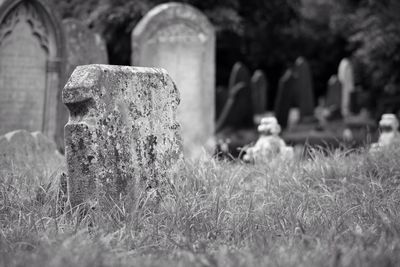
column 346, row 78
column 334, row 94
column 304, row 89
column 122, row 132
column 238, row 110
column 180, row 39
column 259, row 87
column 82, row 47
column 31, row 58
column 285, row 97
column 28, row 162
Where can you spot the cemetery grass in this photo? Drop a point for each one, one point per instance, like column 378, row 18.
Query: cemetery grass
column 335, row 208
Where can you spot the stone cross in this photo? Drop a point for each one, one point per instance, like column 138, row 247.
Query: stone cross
column 259, row 87
column 180, row 39
column 122, row 131
column 346, row 78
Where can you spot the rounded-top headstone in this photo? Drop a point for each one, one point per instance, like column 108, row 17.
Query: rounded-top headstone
column 259, row 87
column 241, row 112
column 346, row 78
column 285, row 97
column 31, row 160
column 180, row 39
column 305, row 91
column 239, row 73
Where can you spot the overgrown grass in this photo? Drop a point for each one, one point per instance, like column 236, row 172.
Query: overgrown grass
column 340, row 209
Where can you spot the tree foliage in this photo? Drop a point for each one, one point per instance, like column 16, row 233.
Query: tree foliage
column 271, row 34
column 372, row 29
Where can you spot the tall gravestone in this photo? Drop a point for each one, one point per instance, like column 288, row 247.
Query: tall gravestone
column 259, row 87
column 122, row 131
column 346, row 78
column 180, row 39
column 285, row 97
column 82, row 47
column 241, row 111
column 334, row 93
column 237, row 110
column 304, row 90
column 31, row 66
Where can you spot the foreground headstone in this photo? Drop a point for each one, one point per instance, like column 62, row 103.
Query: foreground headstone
column 28, row 161
column 122, row 132
column 259, row 87
column 82, row 47
column 31, row 58
column 346, row 78
column 180, row 39
column 304, row 90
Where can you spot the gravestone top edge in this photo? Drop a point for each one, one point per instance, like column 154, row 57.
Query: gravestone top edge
column 87, row 76
column 156, row 18
column 257, row 75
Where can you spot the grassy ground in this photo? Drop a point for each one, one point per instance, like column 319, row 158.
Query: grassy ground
column 341, row 209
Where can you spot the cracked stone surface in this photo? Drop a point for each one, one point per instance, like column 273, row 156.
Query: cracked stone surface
column 122, row 131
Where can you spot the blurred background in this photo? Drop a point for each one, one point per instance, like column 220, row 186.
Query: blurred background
column 270, row 35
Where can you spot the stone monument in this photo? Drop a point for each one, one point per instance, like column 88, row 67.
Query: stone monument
column 180, row 39
column 285, row 97
column 122, row 131
column 346, row 78
column 334, row 96
column 304, row 89
column 82, row 47
column 259, row 93
column 31, row 66
column 240, row 112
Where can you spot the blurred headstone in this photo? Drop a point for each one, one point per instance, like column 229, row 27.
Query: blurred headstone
column 180, row 39
column 28, row 162
column 259, row 87
column 334, row 97
column 346, row 78
column 122, row 132
column 285, row 97
column 82, row 47
column 293, row 118
column 304, row 89
column 31, row 73
column 240, row 111
column 334, row 93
